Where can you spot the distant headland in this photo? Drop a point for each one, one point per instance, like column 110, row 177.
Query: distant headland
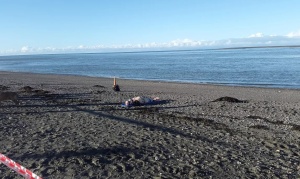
column 281, row 46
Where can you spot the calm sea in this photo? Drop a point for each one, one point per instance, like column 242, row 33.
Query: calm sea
column 263, row 67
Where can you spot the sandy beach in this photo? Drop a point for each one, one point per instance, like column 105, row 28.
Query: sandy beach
column 74, row 127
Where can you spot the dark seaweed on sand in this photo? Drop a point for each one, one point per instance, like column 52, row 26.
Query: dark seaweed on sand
column 27, row 89
column 230, row 99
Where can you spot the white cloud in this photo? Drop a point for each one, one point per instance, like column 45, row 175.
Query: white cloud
column 82, row 47
column 259, row 34
column 257, row 39
column 25, row 49
column 293, row 34
column 269, row 42
column 183, row 43
column 228, row 42
column 10, row 51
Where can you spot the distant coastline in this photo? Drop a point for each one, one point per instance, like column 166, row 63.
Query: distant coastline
column 279, row 46
column 202, row 49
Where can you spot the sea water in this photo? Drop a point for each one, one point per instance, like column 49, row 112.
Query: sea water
column 260, row 67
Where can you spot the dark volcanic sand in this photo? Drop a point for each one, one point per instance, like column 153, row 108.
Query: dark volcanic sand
column 74, row 127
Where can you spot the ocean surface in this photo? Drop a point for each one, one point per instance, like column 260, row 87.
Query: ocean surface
column 260, row 67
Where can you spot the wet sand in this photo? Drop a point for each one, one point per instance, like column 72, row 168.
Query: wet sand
column 74, row 127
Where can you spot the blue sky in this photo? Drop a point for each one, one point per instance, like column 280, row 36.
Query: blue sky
column 58, row 26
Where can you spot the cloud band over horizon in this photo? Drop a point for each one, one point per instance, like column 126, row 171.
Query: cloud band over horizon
column 257, row 39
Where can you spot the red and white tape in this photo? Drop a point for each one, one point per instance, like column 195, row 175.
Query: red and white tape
column 18, row 168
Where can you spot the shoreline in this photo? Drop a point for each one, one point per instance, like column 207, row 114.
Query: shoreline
column 74, row 127
column 258, row 86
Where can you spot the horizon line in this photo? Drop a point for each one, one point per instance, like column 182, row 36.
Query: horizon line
column 145, row 51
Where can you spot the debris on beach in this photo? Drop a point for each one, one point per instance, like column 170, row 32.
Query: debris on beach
column 41, row 92
column 230, row 99
column 27, row 89
column 99, row 86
